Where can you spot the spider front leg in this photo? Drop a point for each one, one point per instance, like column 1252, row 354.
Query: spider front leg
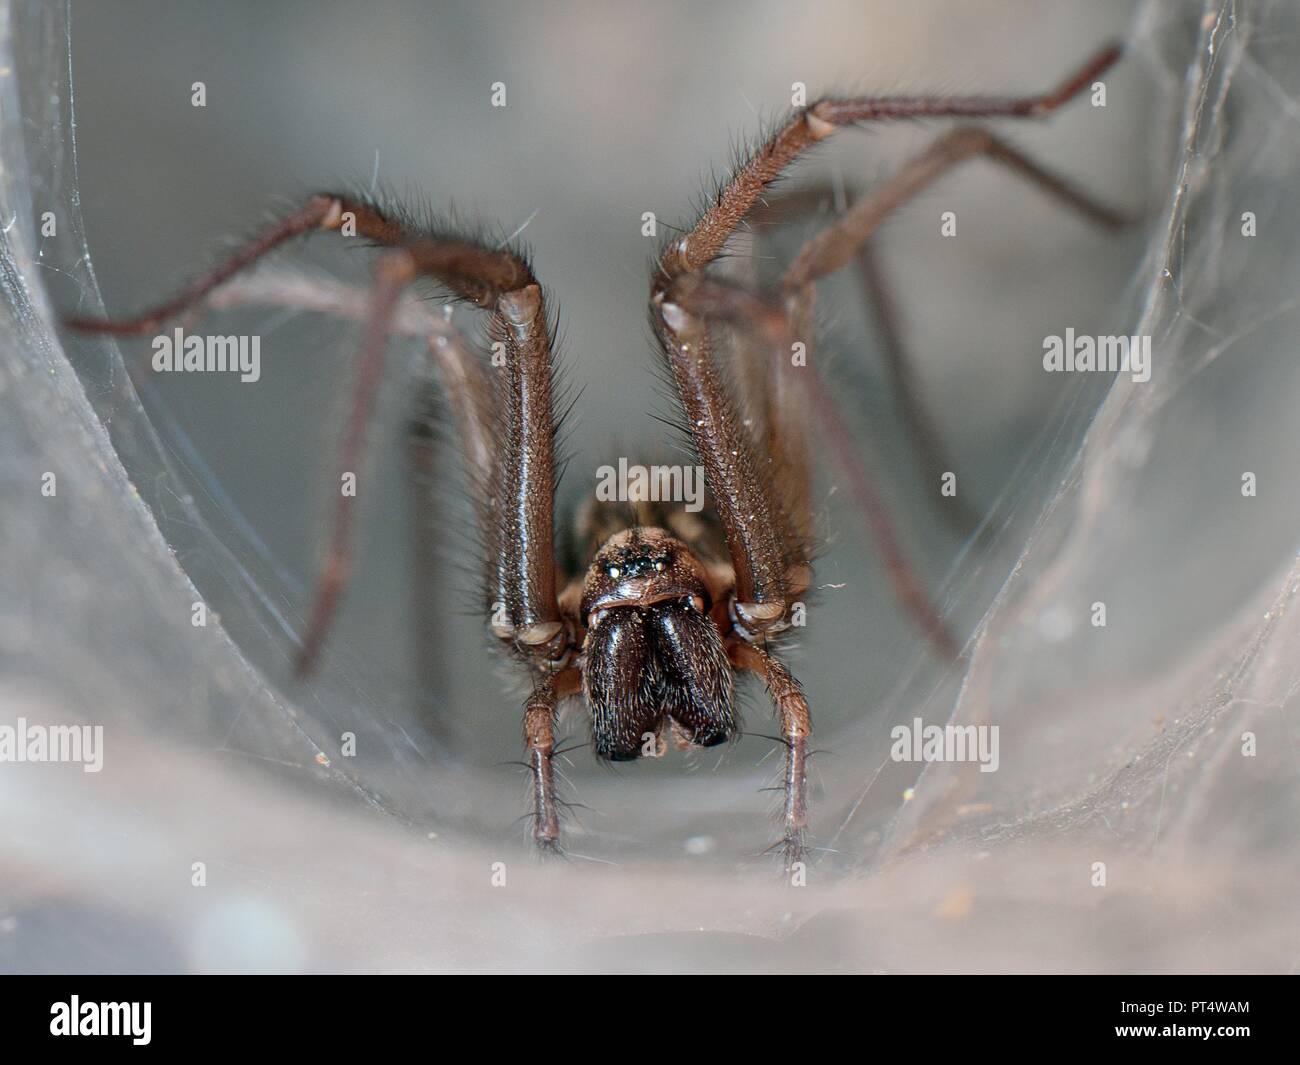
column 742, row 498
column 734, row 469
column 796, row 727
column 764, row 526
column 515, row 474
column 828, row 251
column 539, row 737
column 506, row 427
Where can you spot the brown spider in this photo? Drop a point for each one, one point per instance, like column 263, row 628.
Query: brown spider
column 654, row 632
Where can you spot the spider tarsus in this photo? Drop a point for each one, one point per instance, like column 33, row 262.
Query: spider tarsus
column 792, row 847
column 547, row 850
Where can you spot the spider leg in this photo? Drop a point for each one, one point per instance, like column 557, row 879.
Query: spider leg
column 925, row 438
column 831, row 249
column 702, row 299
column 459, row 371
column 519, row 479
column 819, row 120
column 796, row 726
column 736, row 478
column 507, row 433
column 847, row 240
column 459, row 368
column 743, row 499
column 836, row 245
column 692, row 301
column 319, row 212
column 717, row 300
column 779, row 441
column 539, row 737
column 392, row 273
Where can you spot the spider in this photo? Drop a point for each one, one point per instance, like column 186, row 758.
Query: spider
column 670, row 608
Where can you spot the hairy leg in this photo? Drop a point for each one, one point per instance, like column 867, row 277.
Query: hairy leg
column 925, row 438
column 520, row 477
column 719, row 301
column 702, row 244
column 459, row 367
column 836, row 245
column 737, row 474
column 796, row 726
column 750, row 516
column 539, row 738
column 392, row 273
column 847, row 240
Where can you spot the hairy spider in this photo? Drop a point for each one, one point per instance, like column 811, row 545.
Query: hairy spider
column 670, row 607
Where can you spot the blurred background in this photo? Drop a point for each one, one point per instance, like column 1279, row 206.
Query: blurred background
column 1117, row 742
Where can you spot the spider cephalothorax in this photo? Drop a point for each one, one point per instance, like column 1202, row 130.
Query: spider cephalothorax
column 653, row 654
column 650, row 637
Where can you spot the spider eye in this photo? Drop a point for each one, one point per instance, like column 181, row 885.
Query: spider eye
column 614, row 572
column 659, row 567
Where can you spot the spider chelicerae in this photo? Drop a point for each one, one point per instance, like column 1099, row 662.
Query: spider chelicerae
column 670, row 607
